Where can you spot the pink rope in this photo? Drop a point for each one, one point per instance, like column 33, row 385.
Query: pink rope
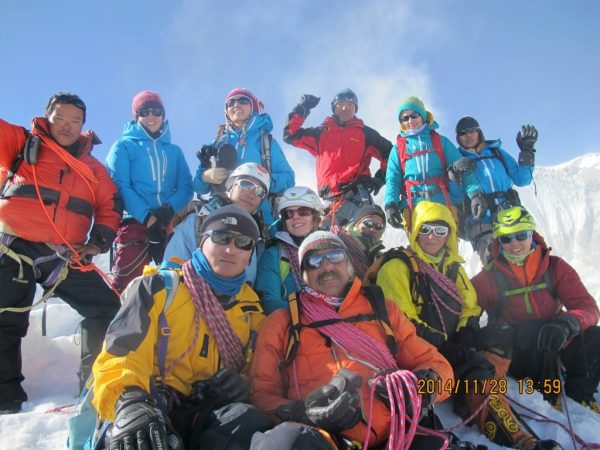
column 400, row 438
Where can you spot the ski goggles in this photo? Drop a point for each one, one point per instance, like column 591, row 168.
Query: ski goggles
column 248, row 185
column 438, row 230
column 223, row 237
column 334, row 256
column 145, row 112
column 373, row 225
column 303, row 211
column 520, row 236
column 407, row 117
column 239, row 100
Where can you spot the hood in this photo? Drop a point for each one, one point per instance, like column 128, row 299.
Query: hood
column 258, row 122
column 41, row 127
column 134, row 130
column 427, row 211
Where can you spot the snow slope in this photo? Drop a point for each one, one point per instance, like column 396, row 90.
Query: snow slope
column 566, row 207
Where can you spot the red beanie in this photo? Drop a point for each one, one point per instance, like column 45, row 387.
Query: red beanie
column 146, row 99
column 243, row 92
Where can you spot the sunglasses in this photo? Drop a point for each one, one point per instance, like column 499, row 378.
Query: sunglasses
column 373, row 225
column 334, row 256
column 239, row 100
column 520, row 236
column 468, row 130
column 145, row 112
column 248, row 185
column 222, row 237
column 438, row 230
column 303, row 211
column 407, row 117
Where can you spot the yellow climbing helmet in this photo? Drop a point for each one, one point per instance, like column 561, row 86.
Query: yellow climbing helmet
column 512, row 220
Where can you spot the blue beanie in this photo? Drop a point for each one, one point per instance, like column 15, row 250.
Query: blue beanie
column 415, row 104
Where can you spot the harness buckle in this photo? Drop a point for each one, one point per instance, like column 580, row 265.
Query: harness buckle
column 20, row 280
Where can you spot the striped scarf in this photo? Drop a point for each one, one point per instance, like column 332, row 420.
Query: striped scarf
column 209, row 308
column 316, row 307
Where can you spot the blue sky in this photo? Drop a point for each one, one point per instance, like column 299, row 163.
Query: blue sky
column 505, row 62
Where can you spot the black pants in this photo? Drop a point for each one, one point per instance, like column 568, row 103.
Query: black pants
column 581, row 359
column 86, row 292
column 230, row 427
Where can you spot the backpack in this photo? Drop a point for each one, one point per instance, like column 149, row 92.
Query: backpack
column 441, row 182
column 376, row 299
column 85, row 428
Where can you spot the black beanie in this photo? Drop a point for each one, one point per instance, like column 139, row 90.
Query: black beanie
column 468, row 123
column 231, row 218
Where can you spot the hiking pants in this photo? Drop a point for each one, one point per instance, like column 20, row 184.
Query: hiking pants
column 230, row 427
column 86, row 292
column 346, row 206
column 581, row 359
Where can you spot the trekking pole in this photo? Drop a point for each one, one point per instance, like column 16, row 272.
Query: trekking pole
column 563, row 394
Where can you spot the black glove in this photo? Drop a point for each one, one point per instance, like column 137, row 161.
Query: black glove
column 307, row 102
column 139, row 424
column 226, row 157
column 478, row 206
column 228, row 387
column 293, row 412
column 335, row 406
column 204, row 155
column 393, row 215
column 454, row 352
column 157, row 236
column 376, row 182
column 553, row 335
column 102, row 237
column 164, row 213
column 429, row 395
column 465, row 164
column 526, row 139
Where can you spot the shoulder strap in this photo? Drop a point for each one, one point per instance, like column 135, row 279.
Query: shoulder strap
column 265, row 150
column 436, row 141
column 294, row 332
column 401, row 146
column 171, row 280
column 28, row 153
column 374, row 294
column 502, row 283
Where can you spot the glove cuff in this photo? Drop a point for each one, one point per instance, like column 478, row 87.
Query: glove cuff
column 570, row 321
column 133, row 394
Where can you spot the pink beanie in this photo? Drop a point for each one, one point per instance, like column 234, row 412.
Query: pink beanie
column 243, row 92
column 146, row 99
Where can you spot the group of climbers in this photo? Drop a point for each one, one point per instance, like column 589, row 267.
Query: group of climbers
column 353, row 331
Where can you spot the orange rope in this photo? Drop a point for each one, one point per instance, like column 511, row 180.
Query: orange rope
column 74, row 262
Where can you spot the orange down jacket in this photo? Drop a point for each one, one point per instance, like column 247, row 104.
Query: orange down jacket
column 315, row 363
column 75, row 189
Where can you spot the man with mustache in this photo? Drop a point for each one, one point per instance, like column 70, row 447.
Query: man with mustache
column 330, row 349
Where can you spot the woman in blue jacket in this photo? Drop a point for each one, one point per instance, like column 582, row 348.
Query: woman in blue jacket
column 154, row 181
column 496, row 171
column 279, row 275
column 418, row 167
column 248, row 130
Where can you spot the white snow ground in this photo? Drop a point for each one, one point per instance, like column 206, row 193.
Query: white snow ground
column 566, row 207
